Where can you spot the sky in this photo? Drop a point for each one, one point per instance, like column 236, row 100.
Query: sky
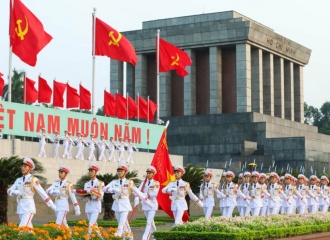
column 68, row 57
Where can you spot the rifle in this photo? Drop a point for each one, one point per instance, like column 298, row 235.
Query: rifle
column 134, row 209
column 203, row 184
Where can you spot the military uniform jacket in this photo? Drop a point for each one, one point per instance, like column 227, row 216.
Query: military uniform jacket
column 150, row 191
column 64, row 190
column 93, row 203
column 206, row 193
column 57, row 140
column 178, row 196
column 65, row 140
column 314, row 191
column 111, row 146
column 91, row 143
column 221, row 188
column 43, row 137
column 303, row 191
column 275, row 191
column 256, row 193
column 265, row 198
column 25, row 201
column 102, row 144
column 121, row 146
column 130, row 147
column 122, row 188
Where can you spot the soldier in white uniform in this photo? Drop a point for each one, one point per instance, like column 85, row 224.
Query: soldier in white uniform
column 303, row 189
column 65, row 139
column 95, row 195
column 324, row 195
column 122, row 188
column 24, row 188
column 276, row 191
column 56, row 141
column 112, row 147
column 222, row 197
column 62, row 189
column 240, row 200
column 80, row 146
column 206, row 194
column 265, row 197
column 102, row 145
column 150, row 189
column 245, row 209
column 43, row 137
column 91, row 145
column 130, row 148
column 256, row 193
column 70, row 145
column 314, row 191
column 121, row 150
column 177, row 190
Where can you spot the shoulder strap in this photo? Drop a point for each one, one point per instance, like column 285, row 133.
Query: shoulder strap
column 31, row 184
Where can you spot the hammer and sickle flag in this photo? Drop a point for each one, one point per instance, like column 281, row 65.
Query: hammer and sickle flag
column 165, row 174
column 27, row 34
column 172, row 58
column 111, row 43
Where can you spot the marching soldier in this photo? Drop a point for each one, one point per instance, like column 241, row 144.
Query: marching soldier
column 130, row 146
column 276, row 192
column 240, row 200
column 122, row 188
column 63, row 189
column 65, row 139
column 70, row 145
column 102, row 145
column 245, row 209
column 94, row 195
column 91, row 145
column 178, row 189
column 324, row 195
column 121, row 150
column 80, row 145
column 206, row 194
column 25, row 188
column 256, row 193
column 150, row 189
column 262, row 182
column 56, row 141
column 290, row 191
column 43, row 137
column 303, row 189
column 112, row 146
column 314, row 192
column 222, row 196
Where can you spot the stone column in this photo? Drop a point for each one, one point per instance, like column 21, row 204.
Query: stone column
column 141, row 76
column 215, row 80
column 298, row 94
column 279, row 87
column 268, row 71
column 130, row 80
column 165, row 94
column 288, row 90
column 257, row 80
column 116, row 77
column 190, row 87
column 243, row 77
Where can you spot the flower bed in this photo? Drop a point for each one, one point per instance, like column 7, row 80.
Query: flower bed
column 276, row 226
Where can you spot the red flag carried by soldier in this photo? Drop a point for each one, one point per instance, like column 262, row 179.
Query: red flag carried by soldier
column 172, row 58
column 27, row 34
column 165, row 174
column 111, row 43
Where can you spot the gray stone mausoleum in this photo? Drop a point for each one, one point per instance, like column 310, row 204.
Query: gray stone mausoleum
column 242, row 100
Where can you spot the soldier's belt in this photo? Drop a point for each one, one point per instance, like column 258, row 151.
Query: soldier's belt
column 209, row 197
column 179, row 198
column 256, row 197
column 25, row 197
column 121, row 197
column 61, row 197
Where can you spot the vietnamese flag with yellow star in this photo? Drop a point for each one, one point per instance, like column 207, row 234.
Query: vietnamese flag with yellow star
column 111, row 43
column 27, row 34
column 165, row 174
column 173, row 58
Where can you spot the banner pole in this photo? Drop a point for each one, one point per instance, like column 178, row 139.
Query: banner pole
column 93, row 77
column 157, row 49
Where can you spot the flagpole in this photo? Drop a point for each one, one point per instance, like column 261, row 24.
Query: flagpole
column 157, row 53
column 24, row 88
column 124, row 77
column 93, row 80
column 126, row 105
column 138, row 95
column 148, row 111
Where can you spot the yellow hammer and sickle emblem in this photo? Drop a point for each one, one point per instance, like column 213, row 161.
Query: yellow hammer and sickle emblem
column 114, row 41
column 175, row 62
column 19, row 31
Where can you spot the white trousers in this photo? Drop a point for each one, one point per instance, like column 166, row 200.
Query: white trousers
column 80, row 153
column 150, row 227
column 245, row 211
column 56, row 150
column 70, row 151
column 178, row 214
column 123, row 225
column 263, row 211
column 92, row 220
column 61, row 218
column 42, row 152
column 324, row 208
column 102, row 155
column 91, row 156
column 228, row 211
column 112, row 156
column 25, row 220
column 66, row 151
column 313, row 208
column 273, row 210
column 121, row 156
column 130, row 158
column 302, row 209
column 255, row 211
column 207, row 212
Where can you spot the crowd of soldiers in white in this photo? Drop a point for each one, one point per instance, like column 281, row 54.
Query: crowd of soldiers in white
column 92, row 143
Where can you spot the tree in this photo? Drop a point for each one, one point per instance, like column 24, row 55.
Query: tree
column 100, row 111
column 16, row 87
column 10, row 170
column 193, row 175
column 107, row 198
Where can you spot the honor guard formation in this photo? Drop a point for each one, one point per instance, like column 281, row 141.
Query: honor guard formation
column 255, row 194
column 95, row 147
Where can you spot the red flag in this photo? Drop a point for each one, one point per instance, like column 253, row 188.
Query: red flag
column 143, row 108
column 59, row 89
column 152, row 109
column 45, row 92
column 120, row 106
column 30, row 94
column 111, row 43
column 72, row 97
column 2, row 84
column 85, row 98
column 165, row 174
column 27, row 34
column 173, row 58
column 109, row 107
column 132, row 107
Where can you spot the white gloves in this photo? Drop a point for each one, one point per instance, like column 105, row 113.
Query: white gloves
column 200, row 203
column 77, row 213
column 136, row 201
column 201, row 197
column 173, row 190
column 52, row 206
column 149, row 203
column 16, row 192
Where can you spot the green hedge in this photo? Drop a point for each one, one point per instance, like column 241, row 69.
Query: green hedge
column 247, row 235
column 104, row 223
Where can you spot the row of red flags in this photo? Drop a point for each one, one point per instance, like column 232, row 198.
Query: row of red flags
column 28, row 38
